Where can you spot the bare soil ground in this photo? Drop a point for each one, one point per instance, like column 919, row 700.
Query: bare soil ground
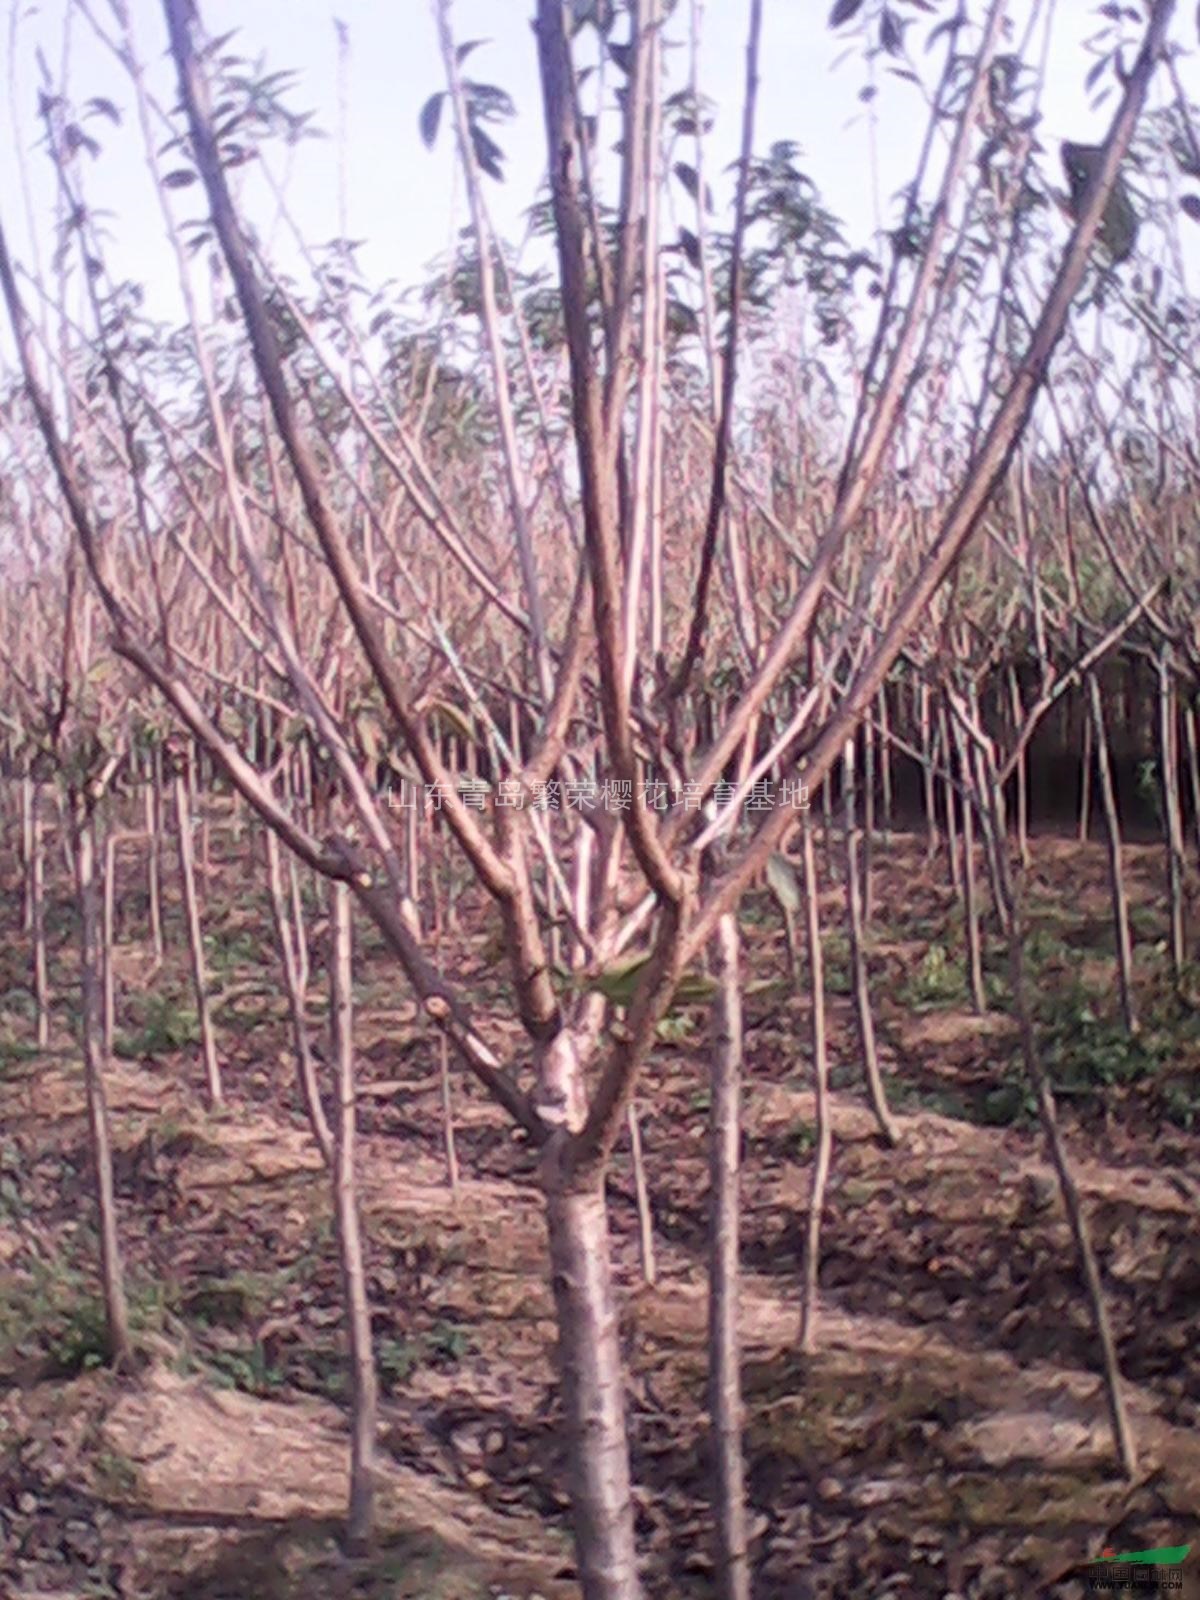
column 949, row 1438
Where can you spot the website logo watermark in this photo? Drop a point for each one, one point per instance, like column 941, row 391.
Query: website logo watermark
column 585, row 794
column 1146, row 1572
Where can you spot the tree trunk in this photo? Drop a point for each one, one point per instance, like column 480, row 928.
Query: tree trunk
column 1020, row 775
column 1116, row 873
column 448, row 1134
column 27, row 814
column 971, row 909
column 589, row 1349
column 37, row 915
column 865, row 860
column 824, row 1149
column 108, row 945
column 885, row 767
column 642, row 1191
column 448, row 1137
column 363, row 1389
column 855, row 920
column 951, row 801
column 1172, row 824
column 154, row 811
column 187, row 873
column 412, row 860
column 589, row 1355
column 976, row 776
column 724, row 1344
column 827, row 823
column 1048, row 1115
column 293, row 957
column 1190, row 719
column 116, row 1310
column 928, row 776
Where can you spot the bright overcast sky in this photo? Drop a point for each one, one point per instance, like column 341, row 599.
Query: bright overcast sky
column 400, row 196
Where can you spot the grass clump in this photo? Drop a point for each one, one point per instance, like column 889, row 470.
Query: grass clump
column 162, row 1024
column 940, row 980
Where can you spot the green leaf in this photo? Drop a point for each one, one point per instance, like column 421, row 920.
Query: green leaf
column 843, row 11
column 430, row 118
column 784, row 884
column 1118, row 229
column 487, row 153
column 1119, row 225
column 619, row 983
column 622, row 54
column 599, row 14
column 688, row 178
column 76, row 139
column 452, row 718
column 181, row 178
column 693, row 988
column 891, row 34
column 775, row 988
column 1003, row 1106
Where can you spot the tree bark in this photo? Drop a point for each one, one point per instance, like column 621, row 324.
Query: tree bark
column 27, row 812
column 116, row 1310
column 363, row 1388
column 865, row 859
column 951, row 801
column 1116, row 872
column 191, row 906
column 589, row 1350
column 724, row 1342
column 855, row 924
column 824, row 1149
column 589, row 1355
column 1190, row 719
column 37, row 918
column 448, row 1136
column 154, row 812
column 1020, row 776
column 885, row 766
column 642, row 1191
column 108, row 946
column 1172, row 823
column 928, row 775
column 970, row 882
column 293, row 957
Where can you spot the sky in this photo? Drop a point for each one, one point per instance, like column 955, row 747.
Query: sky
column 402, row 199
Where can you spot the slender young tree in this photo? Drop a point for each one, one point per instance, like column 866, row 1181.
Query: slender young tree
column 725, row 1404
column 363, row 1401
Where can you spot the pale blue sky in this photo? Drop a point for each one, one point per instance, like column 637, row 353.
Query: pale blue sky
column 400, row 193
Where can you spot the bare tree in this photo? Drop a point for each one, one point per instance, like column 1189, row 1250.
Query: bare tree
column 593, row 715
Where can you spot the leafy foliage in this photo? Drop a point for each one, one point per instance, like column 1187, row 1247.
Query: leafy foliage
column 485, row 103
column 1118, row 230
column 164, row 1023
column 939, row 980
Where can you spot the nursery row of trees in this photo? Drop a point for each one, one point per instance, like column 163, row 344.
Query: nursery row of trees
column 676, row 515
